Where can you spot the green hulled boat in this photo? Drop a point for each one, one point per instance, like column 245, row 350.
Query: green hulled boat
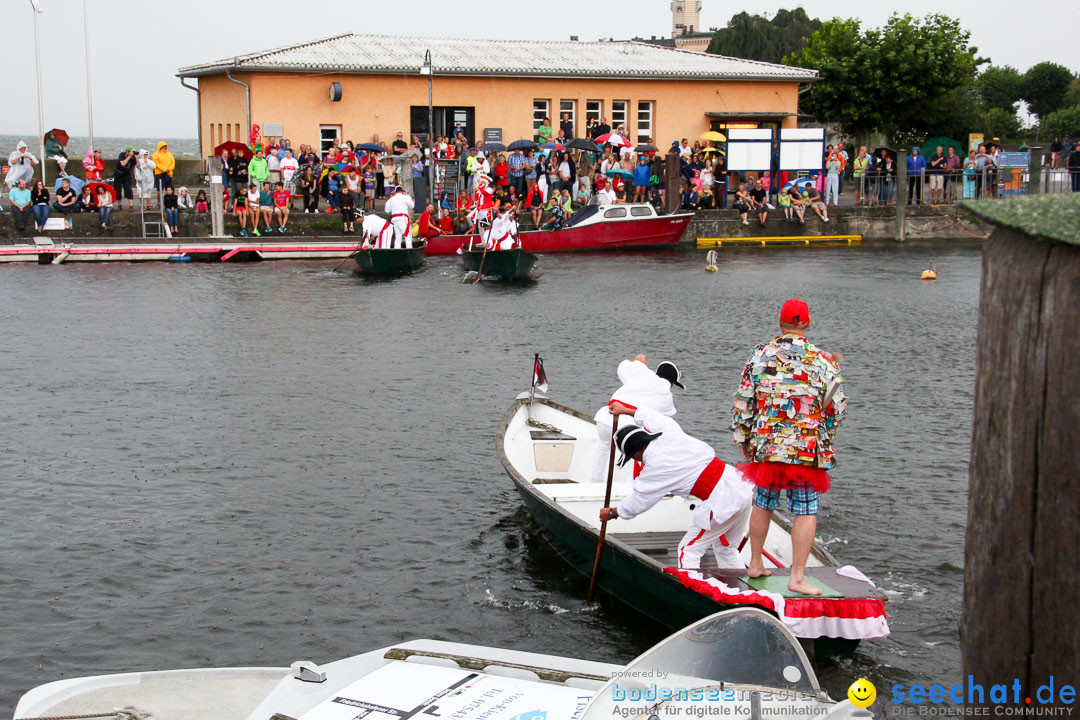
column 393, row 261
column 507, row 264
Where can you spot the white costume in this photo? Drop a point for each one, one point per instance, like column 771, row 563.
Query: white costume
column 641, row 387
column 399, row 206
column 503, row 232
column 677, row 464
column 144, row 175
column 377, row 231
column 21, row 165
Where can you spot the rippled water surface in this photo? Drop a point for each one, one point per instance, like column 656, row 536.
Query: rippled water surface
column 251, row 464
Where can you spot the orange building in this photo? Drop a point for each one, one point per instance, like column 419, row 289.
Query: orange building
column 351, row 87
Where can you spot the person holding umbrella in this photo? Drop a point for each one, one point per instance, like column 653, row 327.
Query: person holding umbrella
column 54, row 149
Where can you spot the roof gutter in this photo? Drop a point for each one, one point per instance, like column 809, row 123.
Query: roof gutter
column 247, row 92
column 198, row 108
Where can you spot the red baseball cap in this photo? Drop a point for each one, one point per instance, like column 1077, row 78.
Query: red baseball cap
column 795, row 312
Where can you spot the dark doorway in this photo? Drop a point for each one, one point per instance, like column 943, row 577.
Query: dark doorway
column 445, row 120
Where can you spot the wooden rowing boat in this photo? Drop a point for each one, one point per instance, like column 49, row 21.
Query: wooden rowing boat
column 509, row 265
column 547, row 449
column 390, row 261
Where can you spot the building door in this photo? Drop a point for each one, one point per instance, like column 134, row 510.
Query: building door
column 445, row 119
column 328, row 136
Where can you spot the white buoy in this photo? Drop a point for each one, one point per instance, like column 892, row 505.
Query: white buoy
column 710, row 261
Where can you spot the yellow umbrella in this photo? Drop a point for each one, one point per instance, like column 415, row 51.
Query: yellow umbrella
column 712, row 135
column 712, row 150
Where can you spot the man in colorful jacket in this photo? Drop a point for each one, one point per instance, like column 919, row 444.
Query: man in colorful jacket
column 786, row 412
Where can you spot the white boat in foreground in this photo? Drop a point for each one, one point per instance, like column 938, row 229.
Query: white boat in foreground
column 743, row 660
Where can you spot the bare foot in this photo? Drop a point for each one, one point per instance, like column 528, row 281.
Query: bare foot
column 803, row 587
column 757, row 571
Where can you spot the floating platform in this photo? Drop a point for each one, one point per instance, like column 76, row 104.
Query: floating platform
column 45, row 252
column 793, row 240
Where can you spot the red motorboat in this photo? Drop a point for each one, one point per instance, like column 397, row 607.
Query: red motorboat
column 593, row 227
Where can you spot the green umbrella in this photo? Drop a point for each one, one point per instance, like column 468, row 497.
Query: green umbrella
column 930, row 146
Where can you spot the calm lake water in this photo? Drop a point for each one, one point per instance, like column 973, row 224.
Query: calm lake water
column 214, row 465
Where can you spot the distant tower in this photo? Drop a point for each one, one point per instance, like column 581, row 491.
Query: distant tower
column 685, row 16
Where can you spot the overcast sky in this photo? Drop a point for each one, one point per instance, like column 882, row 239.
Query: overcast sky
column 137, row 45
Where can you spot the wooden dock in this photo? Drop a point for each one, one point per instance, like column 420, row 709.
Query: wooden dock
column 44, row 251
column 781, row 241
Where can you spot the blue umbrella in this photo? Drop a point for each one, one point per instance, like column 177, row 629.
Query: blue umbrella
column 554, row 146
column 624, row 174
column 370, row 146
column 797, row 181
column 76, row 183
column 523, row 145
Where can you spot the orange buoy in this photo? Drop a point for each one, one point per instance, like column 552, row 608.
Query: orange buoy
column 928, row 275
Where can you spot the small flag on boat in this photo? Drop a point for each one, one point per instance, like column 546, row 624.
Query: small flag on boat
column 539, row 376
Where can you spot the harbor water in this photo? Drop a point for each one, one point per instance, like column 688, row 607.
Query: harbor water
column 229, row 464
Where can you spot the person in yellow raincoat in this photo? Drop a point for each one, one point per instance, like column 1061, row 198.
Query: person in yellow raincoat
column 164, row 165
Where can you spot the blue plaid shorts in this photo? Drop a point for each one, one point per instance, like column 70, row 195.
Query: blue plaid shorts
column 801, row 500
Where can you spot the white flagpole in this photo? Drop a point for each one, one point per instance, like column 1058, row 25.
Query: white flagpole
column 40, row 109
column 89, row 86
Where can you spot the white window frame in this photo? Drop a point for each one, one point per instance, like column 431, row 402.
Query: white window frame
column 538, row 116
column 594, row 114
column 571, row 111
column 625, row 122
column 645, row 127
column 323, row 146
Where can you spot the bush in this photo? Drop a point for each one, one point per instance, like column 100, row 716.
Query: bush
column 1061, row 123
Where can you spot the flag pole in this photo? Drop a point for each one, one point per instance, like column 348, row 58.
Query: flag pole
column 40, row 110
column 89, row 85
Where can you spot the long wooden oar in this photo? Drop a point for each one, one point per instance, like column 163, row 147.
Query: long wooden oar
column 348, row 257
column 484, row 256
column 607, row 501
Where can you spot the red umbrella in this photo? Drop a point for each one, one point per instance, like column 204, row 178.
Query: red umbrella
column 94, row 185
column 61, row 136
column 613, row 139
column 234, row 147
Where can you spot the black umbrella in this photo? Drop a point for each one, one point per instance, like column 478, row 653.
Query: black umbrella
column 646, row 148
column 370, row 146
column 879, row 150
column 523, row 145
column 494, row 147
column 583, row 144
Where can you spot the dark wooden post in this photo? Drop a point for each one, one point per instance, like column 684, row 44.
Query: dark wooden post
column 1021, row 572
column 900, row 202
column 672, row 183
column 1035, row 161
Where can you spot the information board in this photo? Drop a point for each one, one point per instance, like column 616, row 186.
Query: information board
column 749, row 149
column 492, row 135
column 802, row 148
column 273, row 129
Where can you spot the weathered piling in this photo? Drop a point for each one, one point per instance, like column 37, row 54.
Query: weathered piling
column 1021, row 574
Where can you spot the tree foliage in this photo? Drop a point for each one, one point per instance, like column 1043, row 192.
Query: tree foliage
column 1044, row 86
column 906, row 79
column 756, row 37
column 1072, row 95
column 999, row 87
column 1060, row 123
column 1001, row 123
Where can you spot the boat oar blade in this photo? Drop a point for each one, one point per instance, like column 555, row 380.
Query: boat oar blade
column 470, row 276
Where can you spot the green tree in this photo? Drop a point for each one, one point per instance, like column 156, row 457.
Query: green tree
column 1001, row 123
column 1044, row 87
column 999, row 87
column 1062, row 122
column 903, row 79
column 1072, row 95
column 756, row 37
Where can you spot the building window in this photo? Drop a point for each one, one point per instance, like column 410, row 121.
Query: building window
column 644, row 121
column 618, row 114
column 541, row 110
column 329, row 136
column 569, row 108
column 594, row 110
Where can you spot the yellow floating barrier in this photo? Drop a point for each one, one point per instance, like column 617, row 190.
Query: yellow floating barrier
column 783, row 241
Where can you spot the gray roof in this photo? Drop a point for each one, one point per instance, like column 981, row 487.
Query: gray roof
column 388, row 54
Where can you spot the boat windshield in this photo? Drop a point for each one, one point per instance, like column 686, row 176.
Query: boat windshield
column 739, row 647
column 584, row 213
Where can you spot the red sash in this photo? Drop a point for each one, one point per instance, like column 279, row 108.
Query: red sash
column 705, row 483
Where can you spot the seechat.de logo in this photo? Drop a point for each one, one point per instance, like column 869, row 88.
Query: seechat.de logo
column 1011, row 694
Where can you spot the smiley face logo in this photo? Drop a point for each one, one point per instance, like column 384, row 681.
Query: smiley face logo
column 862, row 693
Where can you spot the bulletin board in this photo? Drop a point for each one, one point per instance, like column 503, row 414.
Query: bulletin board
column 749, row 149
column 802, row 148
